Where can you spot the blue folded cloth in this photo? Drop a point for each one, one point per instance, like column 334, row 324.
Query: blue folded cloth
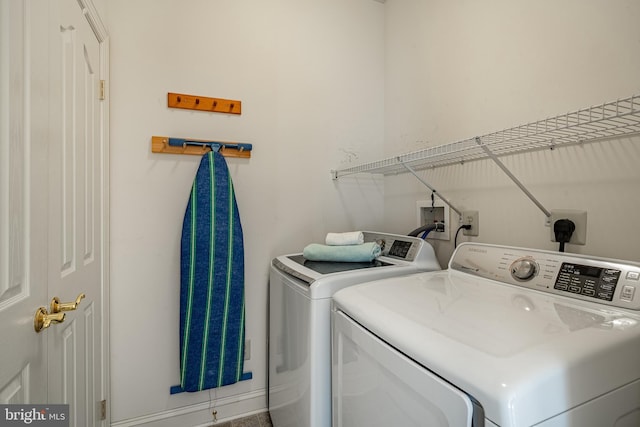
column 353, row 253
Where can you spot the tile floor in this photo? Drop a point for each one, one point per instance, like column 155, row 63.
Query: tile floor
column 258, row 420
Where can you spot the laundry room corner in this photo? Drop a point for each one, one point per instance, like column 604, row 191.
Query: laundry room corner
column 456, row 72
column 311, row 99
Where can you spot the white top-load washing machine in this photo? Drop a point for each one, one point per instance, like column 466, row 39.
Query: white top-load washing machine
column 300, row 324
column 505, row 337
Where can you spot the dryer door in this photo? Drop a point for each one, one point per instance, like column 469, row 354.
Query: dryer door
column 375, row 385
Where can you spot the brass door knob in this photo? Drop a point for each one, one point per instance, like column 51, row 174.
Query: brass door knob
column 57, row 306
column 42, row 319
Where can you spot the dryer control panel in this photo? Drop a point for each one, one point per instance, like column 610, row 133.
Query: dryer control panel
column 602, row 280
column 597, row 282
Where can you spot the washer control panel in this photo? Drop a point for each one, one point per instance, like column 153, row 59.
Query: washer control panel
column 602, row 280
column 405, row 248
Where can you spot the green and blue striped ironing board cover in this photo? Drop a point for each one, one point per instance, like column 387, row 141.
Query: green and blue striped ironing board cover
column 212, row 311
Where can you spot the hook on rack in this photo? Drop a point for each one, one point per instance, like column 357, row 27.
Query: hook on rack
column 213, row 145
column 164, row 144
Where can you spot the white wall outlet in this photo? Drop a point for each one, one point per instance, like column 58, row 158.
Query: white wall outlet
column 428, row 214
column 247, row 350
column 471, row 218
column 579, row 218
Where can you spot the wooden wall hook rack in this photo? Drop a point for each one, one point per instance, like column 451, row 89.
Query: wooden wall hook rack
column 204, row 103
column 168, row 145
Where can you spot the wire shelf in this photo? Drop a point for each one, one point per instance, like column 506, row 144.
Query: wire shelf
column 609, row 120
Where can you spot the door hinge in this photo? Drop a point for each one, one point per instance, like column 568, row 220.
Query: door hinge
column 102, row 84
column 103, row 410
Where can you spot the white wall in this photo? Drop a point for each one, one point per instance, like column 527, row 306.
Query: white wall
column 455, row 70
column 309, row 74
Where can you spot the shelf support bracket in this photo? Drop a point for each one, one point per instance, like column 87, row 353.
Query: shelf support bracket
column 426, row 184
column 516, row 181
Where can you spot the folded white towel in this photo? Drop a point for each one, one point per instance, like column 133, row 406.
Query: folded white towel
column 342, row 239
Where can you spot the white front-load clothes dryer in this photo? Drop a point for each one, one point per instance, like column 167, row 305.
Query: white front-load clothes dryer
column 506, row 337
column 300, row 294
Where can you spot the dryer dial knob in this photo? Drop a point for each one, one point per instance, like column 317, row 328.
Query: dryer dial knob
column 524, row 269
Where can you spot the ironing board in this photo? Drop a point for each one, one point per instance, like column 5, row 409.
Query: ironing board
column 212, row 310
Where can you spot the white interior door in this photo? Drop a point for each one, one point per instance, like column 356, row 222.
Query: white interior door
column 76, row 216
column 53, row 216
column 23, row 202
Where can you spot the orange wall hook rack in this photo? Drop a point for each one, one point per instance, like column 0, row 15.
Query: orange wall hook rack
column 204, row 103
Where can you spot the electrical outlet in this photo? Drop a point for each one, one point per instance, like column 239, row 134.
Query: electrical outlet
column 579, row 218
column 471, row 218
column 247, row 350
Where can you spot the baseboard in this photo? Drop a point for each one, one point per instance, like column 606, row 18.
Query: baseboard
column 200, row 415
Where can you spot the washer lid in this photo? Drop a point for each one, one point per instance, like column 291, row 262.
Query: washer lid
column 524, row 355
column 324, row 267
column 323, row 284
